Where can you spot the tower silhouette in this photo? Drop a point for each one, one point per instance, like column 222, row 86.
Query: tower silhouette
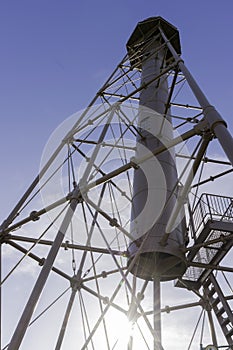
column 125, row 210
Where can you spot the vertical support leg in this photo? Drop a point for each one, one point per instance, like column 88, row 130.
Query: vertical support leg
column 210, row 318
column 40, row 283
column 130, row 343
column 65, row 321
column 157, row 314
column 212, row 329
column 217, row 124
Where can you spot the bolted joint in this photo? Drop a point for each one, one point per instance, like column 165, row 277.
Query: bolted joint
column 113, row 222
column 213, row 117
column 207, row 136
column 133, row 163
column 167, row 309
column 4, row 237
column 179, row 60
column 69, row 196
column 42, row 261
column 75, row 194
column 76, row 283
column 66, row 245
column 104, row 274
column 202, row 127
column 68, row 140
column 125, row 254
column 106, row 300
column 206, row 305
column 34, row 216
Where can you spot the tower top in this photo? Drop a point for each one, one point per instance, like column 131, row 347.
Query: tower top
column 147, row 29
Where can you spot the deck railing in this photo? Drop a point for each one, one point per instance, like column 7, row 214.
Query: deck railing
column 211, row 207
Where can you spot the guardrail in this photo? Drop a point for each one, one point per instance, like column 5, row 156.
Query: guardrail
column 211, row 207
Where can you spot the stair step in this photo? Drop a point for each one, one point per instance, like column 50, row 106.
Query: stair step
column 215, row 301
column 220, row 311
column 211, row 292
column 207, row 283
column 224, row 321
column 229, row 333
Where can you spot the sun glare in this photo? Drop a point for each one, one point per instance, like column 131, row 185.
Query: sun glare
column 122, row 330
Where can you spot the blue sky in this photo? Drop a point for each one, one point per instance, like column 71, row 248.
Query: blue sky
column 56, row 54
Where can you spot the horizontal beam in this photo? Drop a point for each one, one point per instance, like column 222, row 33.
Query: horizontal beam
column 210, row 267
column 103, row 274
column 39, row 260
column 204, row 159
column 105, row 300
column 65, row 245
column 169, row 309
column 36, row 215
column 222, row 238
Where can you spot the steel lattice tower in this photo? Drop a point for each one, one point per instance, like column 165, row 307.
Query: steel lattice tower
column 124, row 230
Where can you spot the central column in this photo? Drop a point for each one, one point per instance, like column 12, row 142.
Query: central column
column 155, row 187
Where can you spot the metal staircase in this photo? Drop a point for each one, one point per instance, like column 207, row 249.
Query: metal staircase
column 220, row 307
column 212, row 233
column 211, row 227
